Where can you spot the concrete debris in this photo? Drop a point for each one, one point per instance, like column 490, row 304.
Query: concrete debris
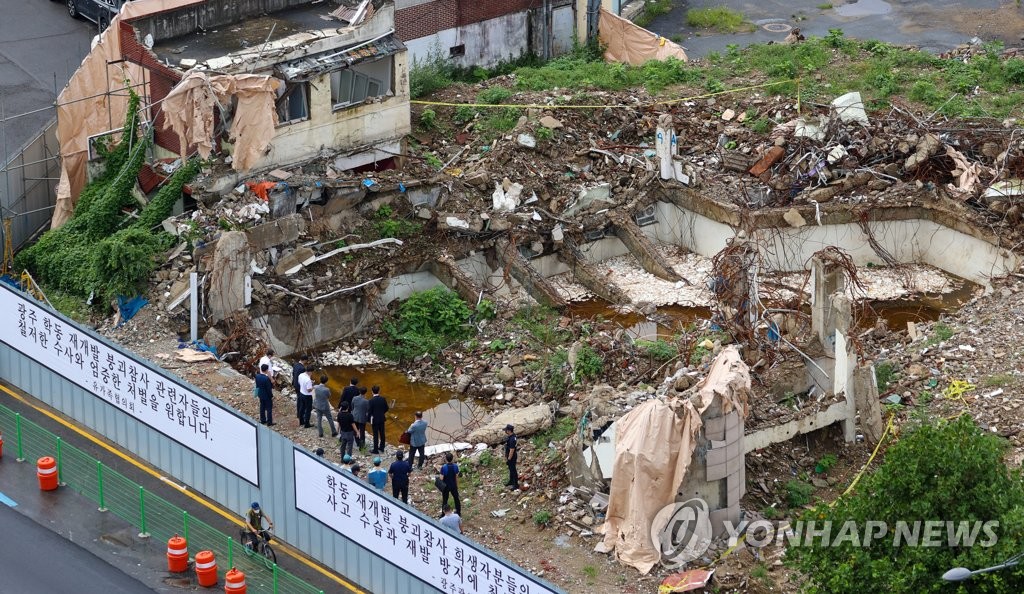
column 550, row 122
column 728, row 115
column 527, row 421
column 794, row 219
column 527, row 140
column 850, row 108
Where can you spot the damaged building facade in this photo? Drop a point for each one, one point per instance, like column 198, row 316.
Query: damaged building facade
column 472, row 33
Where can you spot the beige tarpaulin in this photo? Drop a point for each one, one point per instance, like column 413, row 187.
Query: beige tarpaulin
column 654, row 444
column 632, row 44
column 189, row 112
column 84, row 107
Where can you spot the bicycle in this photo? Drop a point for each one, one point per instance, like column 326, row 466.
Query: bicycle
column 262, row 546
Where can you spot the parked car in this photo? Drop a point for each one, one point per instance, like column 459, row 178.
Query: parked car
column 100, row 12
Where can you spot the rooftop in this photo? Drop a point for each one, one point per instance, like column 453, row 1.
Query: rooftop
column 255, row 35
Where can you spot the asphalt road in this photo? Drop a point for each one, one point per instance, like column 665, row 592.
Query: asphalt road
column 933, row 25
column 35, row 559
column 40, row 48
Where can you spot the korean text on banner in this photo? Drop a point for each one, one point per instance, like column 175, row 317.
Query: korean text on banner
column 192, row 420
column 422, row 547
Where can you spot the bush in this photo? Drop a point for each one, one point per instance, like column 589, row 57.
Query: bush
column 589, row 363
column 100, row 250
column 493, row 95
column 486, row 309
column 431, row 74
column 425, row 323
column 659, row 350
column 950, row 471
column 798, row 493
column 428, row 119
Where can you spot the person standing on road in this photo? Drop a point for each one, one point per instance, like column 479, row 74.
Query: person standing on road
column 450, row 477
column 361, row 413
column 451, row 521
column 346, row 429
column 298, row 369
column 267, row 360
column 418, row 440
column 265, row 393
column 304, row 399
column 399, row 473
column 378, row 477
column 322, row 406
column 512, row 456
column 350, row 392
column 378, row 416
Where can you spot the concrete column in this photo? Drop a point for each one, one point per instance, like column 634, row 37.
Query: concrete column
column 642, row 247
column 536, row 285
column 846, row 362
column 589, row 276
column 865, row 390
column 455, row 278
column 828, row 279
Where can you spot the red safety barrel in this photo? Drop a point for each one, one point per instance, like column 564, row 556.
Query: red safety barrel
column 234, row 582
column 177, row 554
column 206, row 569
column 46, row 470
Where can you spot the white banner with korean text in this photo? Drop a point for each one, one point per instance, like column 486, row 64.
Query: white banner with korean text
column 189, row 418
column 422, row 547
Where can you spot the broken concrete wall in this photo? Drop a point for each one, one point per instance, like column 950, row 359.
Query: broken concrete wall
column 228, row 271
column 526, row 421
column 313, row 325
column 373, row 122
column 914, row 238
column 484, row 43
column 209, row 15
column 717, row 469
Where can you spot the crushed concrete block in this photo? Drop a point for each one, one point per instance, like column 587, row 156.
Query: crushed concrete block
column 478, row 178
column 807, row 129
column 794, row 219
column 280, row 232
column 293, row 262
column 836, row 154
column 283, row 202
column 526, row 421
column 558, row 234
column 344, row 199
column 600, row 193
column 501, row 200
column 280, row 174
column 850, row 108
column 227, row 275
column 425, row 213
column 527, row 140
column 728, row 114
column 455, row 223
column 550, row 122
column 187, row 63
column 424, row 195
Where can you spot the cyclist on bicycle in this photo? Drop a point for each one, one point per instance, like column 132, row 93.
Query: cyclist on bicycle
column 254, row 524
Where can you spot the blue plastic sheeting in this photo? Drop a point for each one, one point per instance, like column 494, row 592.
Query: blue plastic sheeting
column 129, row 307
column 199, row 345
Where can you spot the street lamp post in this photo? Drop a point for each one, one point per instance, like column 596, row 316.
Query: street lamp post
column 959, row 574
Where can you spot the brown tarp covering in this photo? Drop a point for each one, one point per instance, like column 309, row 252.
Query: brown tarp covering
column 84, row 107
column 189, row 112
column 632, row 44
column 654, row 444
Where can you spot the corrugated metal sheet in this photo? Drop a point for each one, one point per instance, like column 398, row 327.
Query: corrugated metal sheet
column 276, row 472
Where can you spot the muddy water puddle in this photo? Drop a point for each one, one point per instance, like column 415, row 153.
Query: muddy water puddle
column 445, row 414
column 666, row 322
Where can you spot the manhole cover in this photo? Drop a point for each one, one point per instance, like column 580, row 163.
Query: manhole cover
column 777, row 27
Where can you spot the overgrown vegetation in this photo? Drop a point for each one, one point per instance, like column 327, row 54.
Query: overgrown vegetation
column 388, row 225
column 425, row 323
column 542, row 518
column 884, row 373
column 101, row 251
column 652, row 10
column 947, row 471
column 562, row 428
column 719, row 18
column 798, row 493
column 659, row 350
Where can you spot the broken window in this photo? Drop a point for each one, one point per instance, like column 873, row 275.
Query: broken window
column 293, row 105
column 457, row 50
column 353, row 85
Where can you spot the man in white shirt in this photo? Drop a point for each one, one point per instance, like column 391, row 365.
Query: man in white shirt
column 266, row 360
column 304, row 399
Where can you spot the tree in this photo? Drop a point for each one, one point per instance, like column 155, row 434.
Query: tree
column 946, row 471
